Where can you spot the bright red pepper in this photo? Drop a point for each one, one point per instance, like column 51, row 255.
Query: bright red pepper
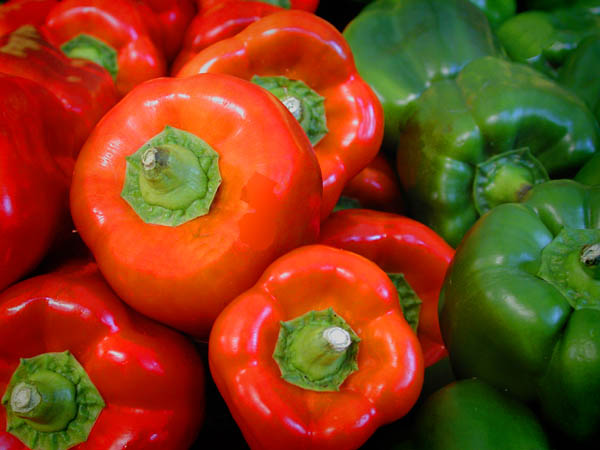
column 35, row 166
column 376, row 187
column 175, row 16
column 150, row 378
column 17, row 13
column 85, row 90
column 335, row 391
column 307, row 63
column 176, row 240
column 399, row 245
column 220, row 22
column 306, row 5
column 126, row 39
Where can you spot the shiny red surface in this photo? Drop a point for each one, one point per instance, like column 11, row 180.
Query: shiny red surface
column 35, row 164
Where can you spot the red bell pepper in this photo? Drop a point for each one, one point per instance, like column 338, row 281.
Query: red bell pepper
column 139, row 384
column 306, row 5
column 188, row 189
column 35, row 166
column 211, row 25
column 174, row 16
column 85, row 90
column 124, row 38
column 17, row 13
column 399, row 245
column 375, row 187
column 308, row 65
column 317, row 354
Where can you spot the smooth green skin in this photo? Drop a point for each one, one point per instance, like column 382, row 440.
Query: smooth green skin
column 493, row 106
column 544, row 40
column 581, row 72
column 401, row 46
column 470, row 414
column 505, row 325
column 497, row 11
column 590, row 173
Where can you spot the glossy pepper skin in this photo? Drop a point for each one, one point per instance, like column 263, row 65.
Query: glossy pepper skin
column 135, row 37
column 590, row 172
column 506, row 321
column 398, row 244
column 16, row 13
column 306, row 5
column 33, row 185
column 497, row 11
column 174, row 17
column 150, row 377
column 544, row 39
column 291, row 44
column 577, row 75
column 472, row 414
column 275, row 414
column 268, row 202
column 375, row 187
column 219, row 22
column 494, row 110
column 400, row 48
column 85, row 89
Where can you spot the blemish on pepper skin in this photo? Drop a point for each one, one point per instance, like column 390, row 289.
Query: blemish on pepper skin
column 21, row 40
column 74, row 79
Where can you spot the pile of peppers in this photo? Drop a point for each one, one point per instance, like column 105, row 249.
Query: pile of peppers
column 299, row 224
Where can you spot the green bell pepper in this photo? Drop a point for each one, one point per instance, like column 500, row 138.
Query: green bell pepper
column 520, row 305
column 545, row 39
column 470, row 414
column 580, row 72
column 497, row 11
column 485, row 138
column 553, row 4
column 401, row 46
column 590, row 172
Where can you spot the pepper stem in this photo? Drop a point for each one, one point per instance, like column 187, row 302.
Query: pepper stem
column 590, row 260
column 316, row 351
column 24, row 398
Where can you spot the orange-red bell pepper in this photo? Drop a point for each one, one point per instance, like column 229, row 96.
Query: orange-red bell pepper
column 119, row 35
column 307, row 5
column 375, row 187
column 85, row 90
column 317, row 354
column 214, row 24
column 35, row 165
column 139, row 385
column 16, row 13
column 399, row 245
column 307, row 63
column 188, row 189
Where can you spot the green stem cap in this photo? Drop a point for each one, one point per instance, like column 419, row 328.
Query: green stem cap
column 306, row 105
column 409, row 300
column 88, row 47
column 172, row 178
column 51, row 404
column 506, row 178
column 571, row 262
column 317, row 351
column 281, row 3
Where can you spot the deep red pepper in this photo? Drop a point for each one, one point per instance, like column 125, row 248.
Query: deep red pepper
column 376, row 187
column 174, row 16
column 150, row 378
column 17, row 13
column 217, row 23
column 130, row 31
column 306, row 5
column 398, row 245
column 33, row 186
column 85, row 89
